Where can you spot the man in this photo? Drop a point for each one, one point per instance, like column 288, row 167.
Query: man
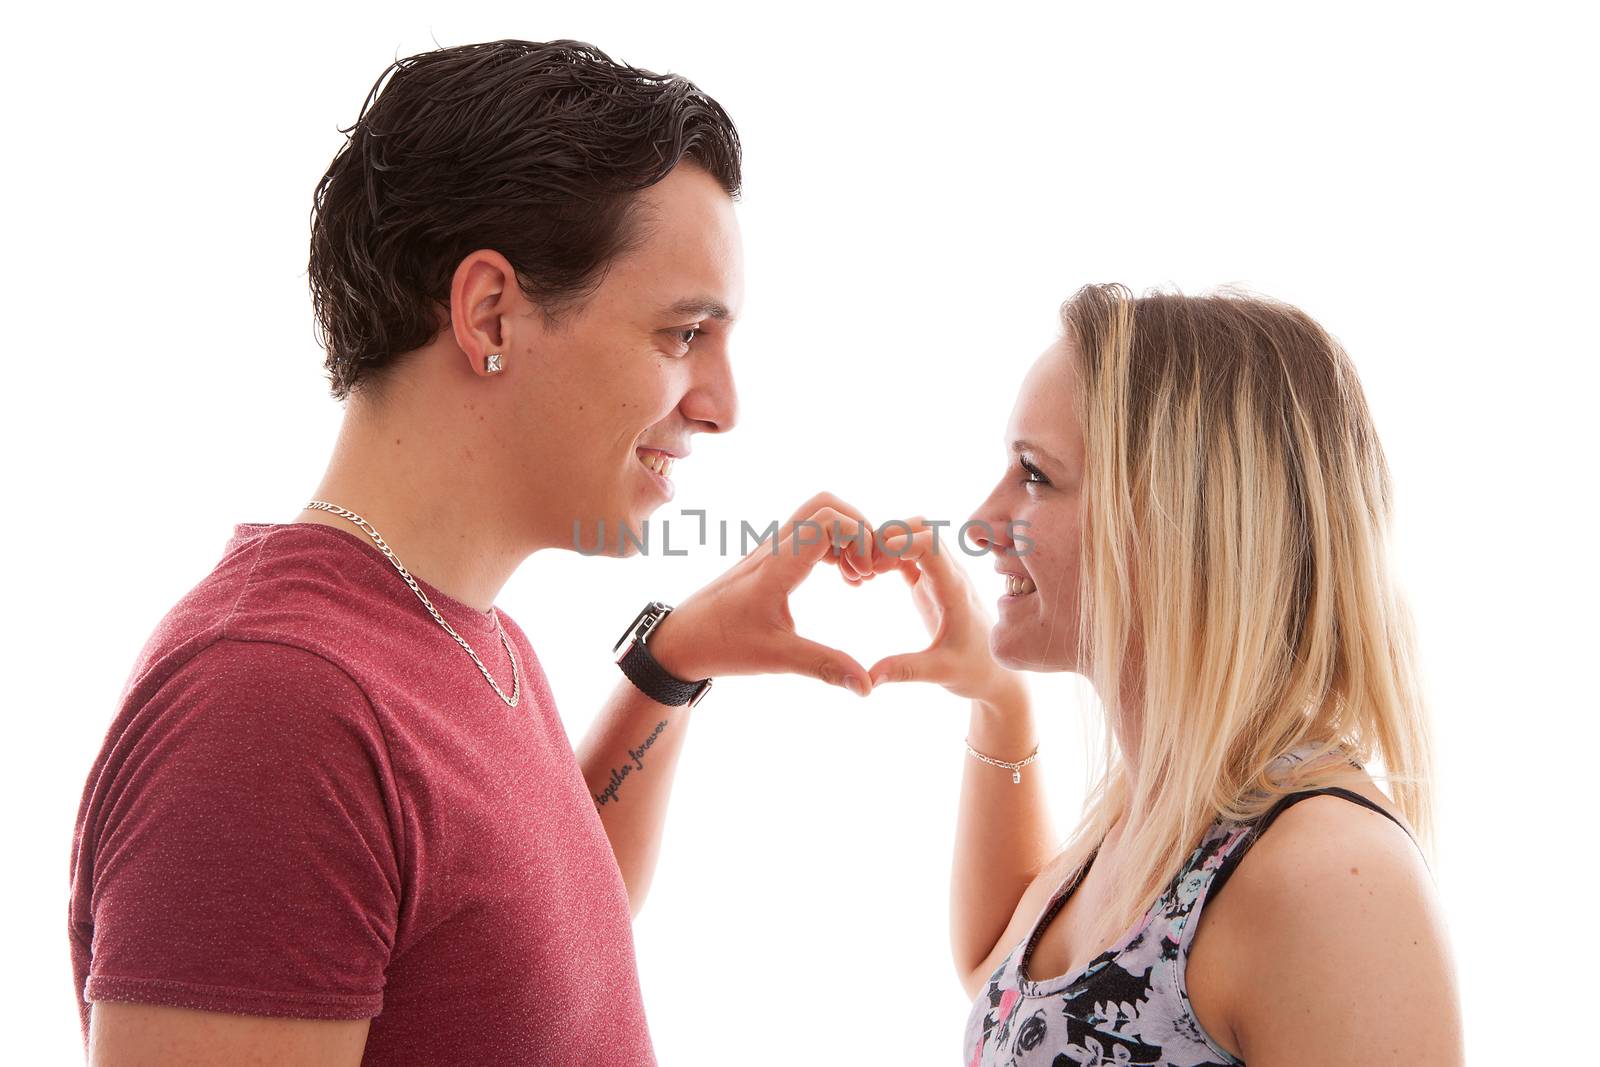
column 337, row 819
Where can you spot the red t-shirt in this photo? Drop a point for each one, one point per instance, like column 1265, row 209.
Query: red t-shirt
column 312, row 804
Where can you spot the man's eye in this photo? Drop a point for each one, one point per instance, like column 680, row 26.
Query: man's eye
column 686, row 335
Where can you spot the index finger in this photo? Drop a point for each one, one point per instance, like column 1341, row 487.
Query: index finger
column 822, row 500
column 800, row 552
column 923, row 550
column 862, row 550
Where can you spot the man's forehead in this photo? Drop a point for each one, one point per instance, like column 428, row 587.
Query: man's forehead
column 689, row 261
column 687, row 207
column 678, row 288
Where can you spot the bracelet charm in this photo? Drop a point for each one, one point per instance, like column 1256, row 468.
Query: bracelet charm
column 1014, row 767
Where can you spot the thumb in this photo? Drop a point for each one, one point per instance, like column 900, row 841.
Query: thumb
column 803, row 656
column 907, row 667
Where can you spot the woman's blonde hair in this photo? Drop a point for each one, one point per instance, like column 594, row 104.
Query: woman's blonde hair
column 1236, row 600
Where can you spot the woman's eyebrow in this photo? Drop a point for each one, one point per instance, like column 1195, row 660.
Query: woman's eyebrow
column 1028, row 446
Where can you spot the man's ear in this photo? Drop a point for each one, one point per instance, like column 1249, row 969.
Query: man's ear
column 485, row 302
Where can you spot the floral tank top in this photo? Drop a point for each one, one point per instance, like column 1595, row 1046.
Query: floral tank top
column 1129, row 1005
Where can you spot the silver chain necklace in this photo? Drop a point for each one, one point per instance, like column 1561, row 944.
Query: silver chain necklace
column 516, row 675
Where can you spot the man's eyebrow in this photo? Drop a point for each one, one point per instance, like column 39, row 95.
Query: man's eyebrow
column 696, row 308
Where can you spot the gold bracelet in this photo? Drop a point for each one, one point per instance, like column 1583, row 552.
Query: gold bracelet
column 1014, row 768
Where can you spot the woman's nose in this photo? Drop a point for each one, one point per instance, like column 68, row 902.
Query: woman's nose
column 986, row 529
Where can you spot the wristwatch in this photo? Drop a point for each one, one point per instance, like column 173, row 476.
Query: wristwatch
column 648, row 676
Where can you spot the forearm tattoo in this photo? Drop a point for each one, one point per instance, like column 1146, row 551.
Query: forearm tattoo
column 608, row 795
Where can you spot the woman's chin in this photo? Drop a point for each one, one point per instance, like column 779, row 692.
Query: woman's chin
column 1003, row 649
column 1016, row 652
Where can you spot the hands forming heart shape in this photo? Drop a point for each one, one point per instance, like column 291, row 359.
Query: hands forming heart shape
column 740, row 623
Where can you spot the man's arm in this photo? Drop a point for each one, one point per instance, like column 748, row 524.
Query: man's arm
column 125, row 1034
column 739, row 624
column 243, row 884
column 629, row 758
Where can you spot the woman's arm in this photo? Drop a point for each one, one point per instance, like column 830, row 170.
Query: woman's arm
column 1004, row 835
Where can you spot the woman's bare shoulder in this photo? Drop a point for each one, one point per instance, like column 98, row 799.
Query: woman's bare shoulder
column 1331, row 936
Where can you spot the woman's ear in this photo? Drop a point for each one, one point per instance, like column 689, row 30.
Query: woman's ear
column 485, row 302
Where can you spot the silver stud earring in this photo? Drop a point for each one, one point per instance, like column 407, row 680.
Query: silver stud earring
column 492, row 363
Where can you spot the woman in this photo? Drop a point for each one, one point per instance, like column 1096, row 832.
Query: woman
column 1193, row 517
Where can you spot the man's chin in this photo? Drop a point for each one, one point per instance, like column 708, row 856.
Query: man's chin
column 615, row 536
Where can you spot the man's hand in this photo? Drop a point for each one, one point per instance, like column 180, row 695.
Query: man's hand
column 740, row 623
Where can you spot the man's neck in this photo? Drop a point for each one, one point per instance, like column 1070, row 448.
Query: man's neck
column 431, row 508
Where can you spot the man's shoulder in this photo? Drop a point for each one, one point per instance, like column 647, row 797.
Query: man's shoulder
column 271, row 585
column 299, row 577
column 265, row 663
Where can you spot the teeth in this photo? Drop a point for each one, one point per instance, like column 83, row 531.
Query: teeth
column 659, row 462
column 1018, row 586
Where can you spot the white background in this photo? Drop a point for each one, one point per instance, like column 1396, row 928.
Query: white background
column 922, row 192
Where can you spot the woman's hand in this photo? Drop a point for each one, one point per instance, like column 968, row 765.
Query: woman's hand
column 959, row 657
column 740, row 623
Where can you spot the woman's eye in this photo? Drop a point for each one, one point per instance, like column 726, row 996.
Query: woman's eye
column 1035, row 476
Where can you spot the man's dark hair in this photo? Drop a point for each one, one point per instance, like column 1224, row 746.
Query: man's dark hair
column 533, row 149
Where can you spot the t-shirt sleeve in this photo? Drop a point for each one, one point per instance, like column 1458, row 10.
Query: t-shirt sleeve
column 246, row 858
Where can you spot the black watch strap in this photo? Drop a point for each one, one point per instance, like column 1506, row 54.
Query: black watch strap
column 652, row 679
column 641, row 668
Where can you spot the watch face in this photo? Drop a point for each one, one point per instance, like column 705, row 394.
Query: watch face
column 652, row 618
column 643, row 623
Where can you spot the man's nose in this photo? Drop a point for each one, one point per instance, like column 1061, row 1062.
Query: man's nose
column 713, row 403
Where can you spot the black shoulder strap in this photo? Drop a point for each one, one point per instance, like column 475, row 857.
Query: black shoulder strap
column 1231, row 861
